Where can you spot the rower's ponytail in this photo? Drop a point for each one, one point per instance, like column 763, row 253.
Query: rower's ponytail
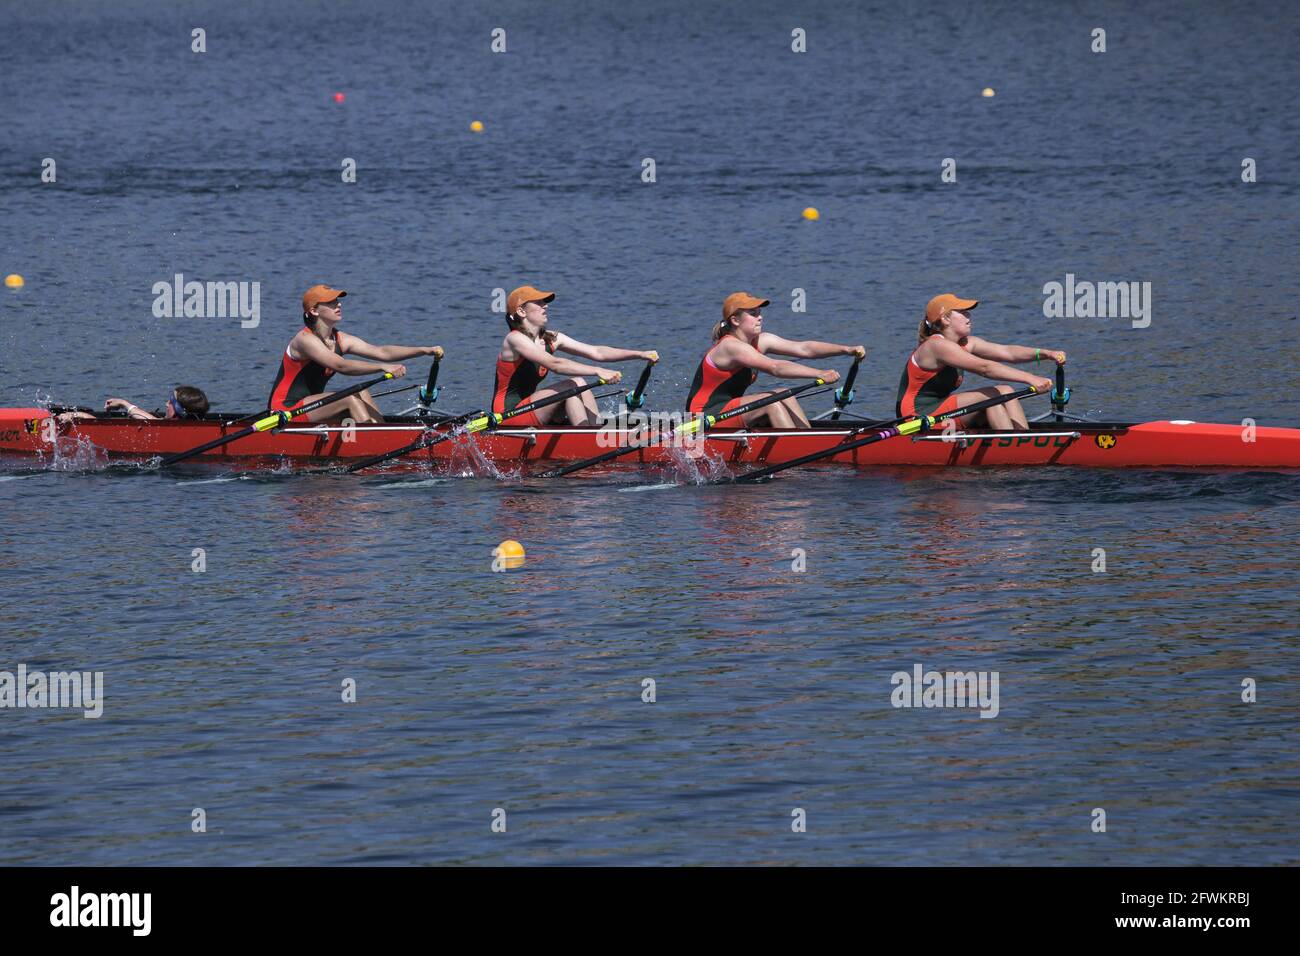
column 548, row 337
column 926, row 329
column 721, row 329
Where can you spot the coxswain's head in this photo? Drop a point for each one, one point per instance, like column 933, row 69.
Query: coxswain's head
column 947, row 315
column 526, row 309
column 321, row 303
column 742, row 316
column 186, row 402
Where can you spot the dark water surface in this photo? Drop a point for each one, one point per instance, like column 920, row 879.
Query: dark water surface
column 522, row 691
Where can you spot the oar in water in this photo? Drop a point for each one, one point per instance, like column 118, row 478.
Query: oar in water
column 909, row 426
column 699, row 424
column 275, row 420
column 844, row 394
column 474, row 422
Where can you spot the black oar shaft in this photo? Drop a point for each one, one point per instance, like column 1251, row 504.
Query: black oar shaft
column 475, row 424
column 894, row 429
column 429, row 394
column 636, row 396
column 1060, row 394
column 844, row 394
column 275, row 419
column 704, row 425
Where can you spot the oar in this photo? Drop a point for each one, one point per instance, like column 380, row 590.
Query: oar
column 429, row 388
column 844, row 395
column 474, row 422
column 275, row 420
column 636, row 398
column 399, row 389
column 701, row 424
column 1060, row 394
column 908, row 427
column 429, row 394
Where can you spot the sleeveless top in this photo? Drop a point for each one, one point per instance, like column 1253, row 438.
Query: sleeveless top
column 517, row 380
column 712, row 388
column 299, row 377
column 921, row 391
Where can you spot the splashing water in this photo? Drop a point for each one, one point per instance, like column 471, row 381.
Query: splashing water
column 74, row 454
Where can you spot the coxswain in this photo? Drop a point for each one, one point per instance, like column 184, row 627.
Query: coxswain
column 186, row 401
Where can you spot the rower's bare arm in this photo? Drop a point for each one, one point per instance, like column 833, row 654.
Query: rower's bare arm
column 809, row 348
column 744, row 354
column 314, row 349
column 603, row 353
column 390, row 353
column 1013, row 353
column 950, row 353
column 525, row 347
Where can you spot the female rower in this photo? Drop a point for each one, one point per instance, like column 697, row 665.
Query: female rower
column 316, row 353
column 934, row 372
column 739, row 353
column 528, row 354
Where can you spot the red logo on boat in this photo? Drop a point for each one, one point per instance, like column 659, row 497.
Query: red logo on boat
column 1105, row 441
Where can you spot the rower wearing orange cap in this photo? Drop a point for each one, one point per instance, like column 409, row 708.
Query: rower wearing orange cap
column 528, row 354
column 946, row 349
column 316, row 353
column 739, row 353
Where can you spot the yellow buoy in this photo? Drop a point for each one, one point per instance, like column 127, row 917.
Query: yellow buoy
column 811, row 214
column 14, row 281
column 476, row 127
column 509, row 553
column 988, row 91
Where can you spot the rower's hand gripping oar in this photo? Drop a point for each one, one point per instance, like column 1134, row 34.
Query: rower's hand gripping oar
column 701, row 424
column 474, row 422
column 275, row 420
column 844, row 394
column 911, row 426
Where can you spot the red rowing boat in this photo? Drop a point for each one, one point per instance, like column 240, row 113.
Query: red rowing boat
column 26, row 433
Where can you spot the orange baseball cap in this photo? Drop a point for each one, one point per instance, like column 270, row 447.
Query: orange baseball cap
column 523, row 295
column 318, row 294
column 740, row 301
column 947, row 303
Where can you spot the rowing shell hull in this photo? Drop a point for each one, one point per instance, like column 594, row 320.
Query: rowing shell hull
column 25, row 433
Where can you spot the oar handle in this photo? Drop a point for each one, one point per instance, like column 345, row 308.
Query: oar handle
column 1061, row 393
column 429, row 394
column 636, row 398
column 844, row 394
